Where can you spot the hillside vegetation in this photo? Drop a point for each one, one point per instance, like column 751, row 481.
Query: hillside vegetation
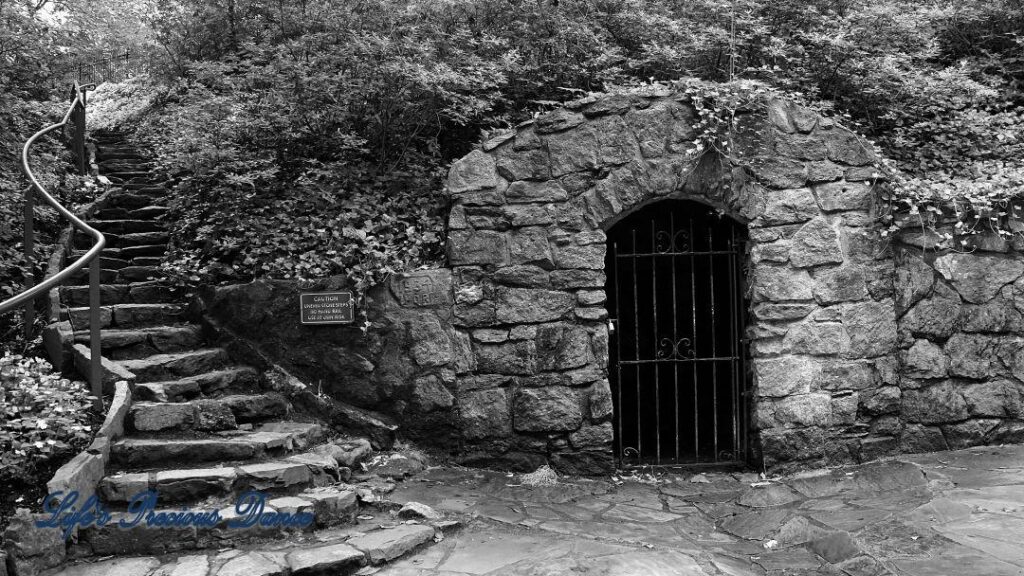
column 310, row 138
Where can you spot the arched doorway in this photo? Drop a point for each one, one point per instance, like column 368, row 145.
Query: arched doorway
column 677, row 357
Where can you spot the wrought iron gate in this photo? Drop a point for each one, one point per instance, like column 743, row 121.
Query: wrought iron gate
column 678, row 372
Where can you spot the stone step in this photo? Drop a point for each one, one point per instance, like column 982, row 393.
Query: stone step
column 207, row 383
column 107, row 275
column 289, row 474
column 177, row 365
column 127, row 226
column 149, row 212
column 128, row 200
column 143, row 452
column 153, row 189
column 147, row 260
column 127, row 174
column 331, row 506
column 133, row 344
column 131, row 293
column 127, row 315
column 208, row 415
column 107, row 153
column 132, row 252
column 83, row 242
column 138, row 273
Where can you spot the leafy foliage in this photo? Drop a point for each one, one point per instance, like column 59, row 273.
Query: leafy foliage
column 45, row 419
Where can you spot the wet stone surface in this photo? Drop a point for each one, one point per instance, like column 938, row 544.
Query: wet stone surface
column 924, row 515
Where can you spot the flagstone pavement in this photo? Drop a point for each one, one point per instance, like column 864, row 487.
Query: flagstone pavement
column 942, row 514
column 957, row 513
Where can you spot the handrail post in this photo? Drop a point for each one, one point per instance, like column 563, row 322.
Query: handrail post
column 78, row 140
column 29, row 315
column 95, row 359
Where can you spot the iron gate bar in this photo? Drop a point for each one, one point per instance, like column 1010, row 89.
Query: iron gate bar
column 676, row 350
column 657, row 391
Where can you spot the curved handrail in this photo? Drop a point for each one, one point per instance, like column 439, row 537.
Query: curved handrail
column 86, row 258
column 90, row 258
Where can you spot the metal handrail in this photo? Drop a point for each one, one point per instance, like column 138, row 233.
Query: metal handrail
column 91, row 257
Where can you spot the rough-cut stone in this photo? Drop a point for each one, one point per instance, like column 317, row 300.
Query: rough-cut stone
column 475, row 171
column 324, row 560
column 160, row 416
column 814, row 409
column 561, row 347
column 842, row 284
column 390, row 543
column 535, row 192
column 255, row 563
column 129, row 567
column 926, row 360
column 417, row 510
column 507, row 358
column 978, row 277
column 599, row 400
column 516, row 305
column 937, row 316
column 430, row 395
column 484, row 414
column 590, row 256
column 479, row 247
column 593, row 437
column 784, row 376
column 999, row 399
column 845, row 375
column 845, row 147
column 972, row 355
column 817, row 338
column 935, row 404
column 787, row 207
column 871, row 326
column 781, row 283
column 997, row 315
column 773, row 311
column 839, row 196
column 547, row 410
column 914, row 280
column 816, row 243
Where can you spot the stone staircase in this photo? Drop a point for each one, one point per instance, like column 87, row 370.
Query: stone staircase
column 201, row 430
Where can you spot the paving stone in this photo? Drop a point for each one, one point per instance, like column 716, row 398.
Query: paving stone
column 123, row 487
column 255, row 564
column 115, row 567
column 195, row 565
column 324, row 560
column 755, row 525
column 290, row 504
column 418, row 510
column 390, row 543
column 332, row 505
column 768, row 496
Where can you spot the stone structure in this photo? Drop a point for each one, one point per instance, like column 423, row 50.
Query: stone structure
column 527, row 250
column 858, row 347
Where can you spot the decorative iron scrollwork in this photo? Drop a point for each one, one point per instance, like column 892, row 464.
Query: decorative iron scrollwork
column 666, row 242
column 681, row 349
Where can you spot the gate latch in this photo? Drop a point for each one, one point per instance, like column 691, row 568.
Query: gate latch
column 611, row 325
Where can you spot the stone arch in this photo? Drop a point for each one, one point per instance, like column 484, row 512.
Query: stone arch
column 526, row 244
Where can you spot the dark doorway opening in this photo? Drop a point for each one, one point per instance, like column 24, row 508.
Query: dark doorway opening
column 677, row 355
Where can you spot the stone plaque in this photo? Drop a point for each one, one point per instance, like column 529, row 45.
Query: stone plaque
column 425, row 289
column 326, row 307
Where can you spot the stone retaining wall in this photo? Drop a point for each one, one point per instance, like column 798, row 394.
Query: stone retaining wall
column 961, row 336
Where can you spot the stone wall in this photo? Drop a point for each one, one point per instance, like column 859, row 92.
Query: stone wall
column 961, row 337
column 527, row 247
column 400, row 361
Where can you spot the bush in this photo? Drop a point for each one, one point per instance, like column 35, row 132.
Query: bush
column 44, row 420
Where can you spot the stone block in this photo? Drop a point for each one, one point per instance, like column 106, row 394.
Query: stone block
column 573, row 151
column 936, row 404
column 599, row 400
column 814, row 409
column 562, row 346
column 847, row 375
column 871, row 326
column 781, row 283
column 522, row 164
column 547, row 410
column 525, row 305
column 786, row 375
column 937, row 316
column 597, row 438
column 979, row 277
column 485, row 414
column 841, row 196
column 530, row 246
column 787, row 207
column 536, row 192
column 847, row 148
column 816, row 243
column 926, row 360
column 474, row 171
column 519, row 357
column 973, row 355
column 390, row 543
column 817, row 339
column 557, row 120
column 841, row 284
column 572, row 255
column 479, row 247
